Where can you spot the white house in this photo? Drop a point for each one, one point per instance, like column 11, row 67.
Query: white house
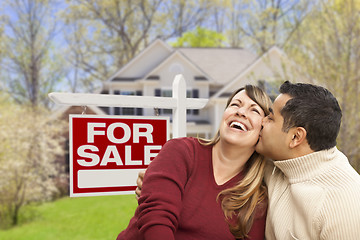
column 211, row 73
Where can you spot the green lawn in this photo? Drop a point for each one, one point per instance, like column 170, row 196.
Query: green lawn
column 84, row 218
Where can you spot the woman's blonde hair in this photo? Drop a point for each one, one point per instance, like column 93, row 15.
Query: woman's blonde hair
column 242, row 199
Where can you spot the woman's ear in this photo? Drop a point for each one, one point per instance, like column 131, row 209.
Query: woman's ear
column 298, row 136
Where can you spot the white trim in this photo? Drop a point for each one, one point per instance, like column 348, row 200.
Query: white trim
column 183, row 57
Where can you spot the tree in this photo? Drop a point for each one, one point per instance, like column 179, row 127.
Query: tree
column 260, row 24
column 201, row 37
column 30, row 65
column 104, row 35
column 327, row 50
column 30, row 143
column 30, row 69
column 179, row 16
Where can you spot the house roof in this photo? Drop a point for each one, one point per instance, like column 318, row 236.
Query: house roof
column 228, row 86
column 221, row 64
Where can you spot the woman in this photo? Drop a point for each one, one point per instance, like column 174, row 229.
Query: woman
column 194, row 185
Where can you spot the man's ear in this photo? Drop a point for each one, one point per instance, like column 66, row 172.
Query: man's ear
column 298, row 136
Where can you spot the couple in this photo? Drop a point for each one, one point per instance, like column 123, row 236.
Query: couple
column 199, row 189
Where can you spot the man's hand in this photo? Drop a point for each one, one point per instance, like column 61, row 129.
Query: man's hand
column 139, row 182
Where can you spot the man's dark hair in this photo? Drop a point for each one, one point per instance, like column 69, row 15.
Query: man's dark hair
column 315, row 109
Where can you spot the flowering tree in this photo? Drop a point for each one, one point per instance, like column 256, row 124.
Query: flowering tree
column 30, row 144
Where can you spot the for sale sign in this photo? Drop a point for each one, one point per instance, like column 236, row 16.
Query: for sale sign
column 107, row 152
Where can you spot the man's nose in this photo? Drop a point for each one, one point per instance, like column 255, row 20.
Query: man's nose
column 263, row 121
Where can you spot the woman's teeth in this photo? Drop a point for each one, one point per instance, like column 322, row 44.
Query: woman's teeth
column 238, row 125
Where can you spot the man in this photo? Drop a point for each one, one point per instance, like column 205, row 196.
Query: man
column 314, row 193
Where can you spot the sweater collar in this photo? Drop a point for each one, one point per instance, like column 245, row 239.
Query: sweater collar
column 308, row 166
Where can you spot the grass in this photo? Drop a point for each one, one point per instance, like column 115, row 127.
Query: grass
column 85, row 218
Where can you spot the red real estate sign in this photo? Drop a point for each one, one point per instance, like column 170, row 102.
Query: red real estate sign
column 107, row 152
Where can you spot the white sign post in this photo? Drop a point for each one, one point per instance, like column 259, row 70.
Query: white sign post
column 179, row 103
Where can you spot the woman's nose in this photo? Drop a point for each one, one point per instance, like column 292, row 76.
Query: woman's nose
column 242, row 112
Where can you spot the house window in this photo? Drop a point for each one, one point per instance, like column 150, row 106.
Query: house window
column 176, row 68
column 166, row 93
column 194, row 93
column 127, row 110
column 153, row 77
